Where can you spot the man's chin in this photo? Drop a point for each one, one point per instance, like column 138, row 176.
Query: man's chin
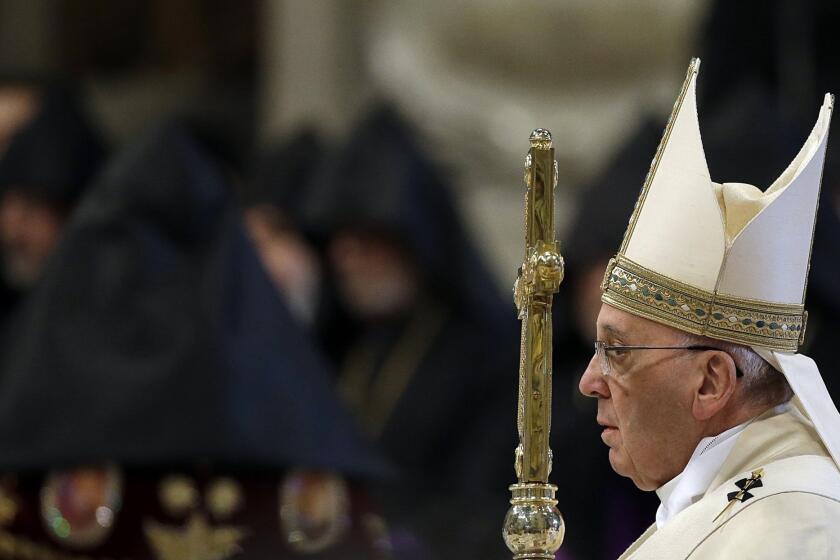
column 616, row 462
column 622, row 467
column 620, row 464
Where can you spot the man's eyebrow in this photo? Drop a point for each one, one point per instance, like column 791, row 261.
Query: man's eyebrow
column 612, row 330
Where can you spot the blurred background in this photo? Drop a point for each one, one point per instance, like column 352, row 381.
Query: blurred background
column 257, row 257
column 475, row 78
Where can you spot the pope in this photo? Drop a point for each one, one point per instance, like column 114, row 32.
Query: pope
column 701, row 392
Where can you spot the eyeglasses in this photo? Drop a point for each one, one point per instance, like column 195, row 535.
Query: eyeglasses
column 603, row 351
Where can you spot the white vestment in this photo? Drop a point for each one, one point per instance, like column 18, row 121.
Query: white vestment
column 690, row 485
column 795, row 513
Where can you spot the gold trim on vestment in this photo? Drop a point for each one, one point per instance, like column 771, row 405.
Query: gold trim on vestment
column 633, row 288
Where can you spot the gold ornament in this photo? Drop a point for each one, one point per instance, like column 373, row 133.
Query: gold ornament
column 178, row 495
column 197, row 540
column 224, row 498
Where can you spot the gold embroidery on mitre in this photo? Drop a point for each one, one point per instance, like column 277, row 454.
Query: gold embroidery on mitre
column 197, row 540
column 633, row 288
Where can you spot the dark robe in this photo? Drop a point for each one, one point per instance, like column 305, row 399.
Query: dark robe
column 157, row 344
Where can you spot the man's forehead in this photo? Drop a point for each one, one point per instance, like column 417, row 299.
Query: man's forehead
column 621, row 324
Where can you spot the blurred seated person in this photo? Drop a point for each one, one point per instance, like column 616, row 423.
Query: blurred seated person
column 162, row 404
column 272, row 209
column 425, row 347
column 427, row 316
column 18, row 102
column 52, row 153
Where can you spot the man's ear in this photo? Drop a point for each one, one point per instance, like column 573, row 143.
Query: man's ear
column 717, row 386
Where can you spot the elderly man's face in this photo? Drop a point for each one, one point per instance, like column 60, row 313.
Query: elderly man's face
column 376, row 277
column 645, row 403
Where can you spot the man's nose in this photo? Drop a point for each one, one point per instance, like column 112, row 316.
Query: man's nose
column 592, row 382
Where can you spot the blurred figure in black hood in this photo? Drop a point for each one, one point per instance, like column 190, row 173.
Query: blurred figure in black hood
column 160, row 403
column 425, row 346
column 49, row 153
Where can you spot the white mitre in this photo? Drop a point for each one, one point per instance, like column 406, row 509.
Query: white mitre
column 728, row 261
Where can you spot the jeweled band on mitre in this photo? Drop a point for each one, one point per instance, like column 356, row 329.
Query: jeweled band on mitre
column 633, row 288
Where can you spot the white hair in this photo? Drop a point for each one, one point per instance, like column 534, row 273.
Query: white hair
column 762, row 383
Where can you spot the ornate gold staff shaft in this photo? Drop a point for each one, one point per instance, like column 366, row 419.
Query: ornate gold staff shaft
column 533, row 527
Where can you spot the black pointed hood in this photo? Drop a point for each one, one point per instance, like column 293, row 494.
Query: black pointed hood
column 56, row 155
column 284, row 174
column 156, row 338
